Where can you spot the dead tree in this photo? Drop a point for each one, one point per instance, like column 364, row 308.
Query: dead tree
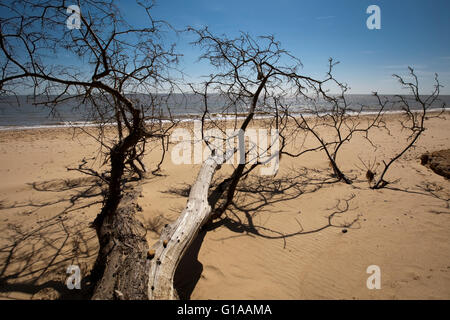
column 415, row 111
column 250, row 81
column 255, row 77
column 323, row 110
column 242, row 80
column 98, row 66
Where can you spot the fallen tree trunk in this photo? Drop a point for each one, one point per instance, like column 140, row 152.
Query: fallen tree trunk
column 132, row 270
column 123, row 252
column 178, row 236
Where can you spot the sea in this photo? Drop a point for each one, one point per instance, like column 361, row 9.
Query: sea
column 27, row 112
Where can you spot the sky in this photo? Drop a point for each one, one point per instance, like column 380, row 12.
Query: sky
column 413, row 33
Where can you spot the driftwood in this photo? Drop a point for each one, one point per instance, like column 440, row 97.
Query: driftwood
column 132, row 270
column 178, row 236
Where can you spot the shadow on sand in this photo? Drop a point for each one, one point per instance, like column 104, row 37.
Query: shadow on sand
column 256, row 195
column 35, row 254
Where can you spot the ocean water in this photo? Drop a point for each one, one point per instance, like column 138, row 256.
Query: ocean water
column 23, row 112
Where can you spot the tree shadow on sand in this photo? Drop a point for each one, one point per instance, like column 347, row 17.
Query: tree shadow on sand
column 35, row 254
column 256, row 195
column 432, row 190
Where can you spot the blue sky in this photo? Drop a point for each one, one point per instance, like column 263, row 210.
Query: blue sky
column 413, row 32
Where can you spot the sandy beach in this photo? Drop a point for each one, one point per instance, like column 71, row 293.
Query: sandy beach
column 277, row 242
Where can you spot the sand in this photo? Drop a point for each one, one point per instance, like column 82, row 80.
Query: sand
column 277, row 242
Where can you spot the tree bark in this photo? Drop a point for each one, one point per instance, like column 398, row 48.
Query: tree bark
column 178, row 236
column 123, row 252
column 132, row 270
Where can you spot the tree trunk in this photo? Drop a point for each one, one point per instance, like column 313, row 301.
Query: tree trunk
column 123, row 252
column 178, row 236
column 339, row 174
column 132, row 271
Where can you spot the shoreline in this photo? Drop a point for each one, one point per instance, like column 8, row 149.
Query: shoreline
column 192, row 118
